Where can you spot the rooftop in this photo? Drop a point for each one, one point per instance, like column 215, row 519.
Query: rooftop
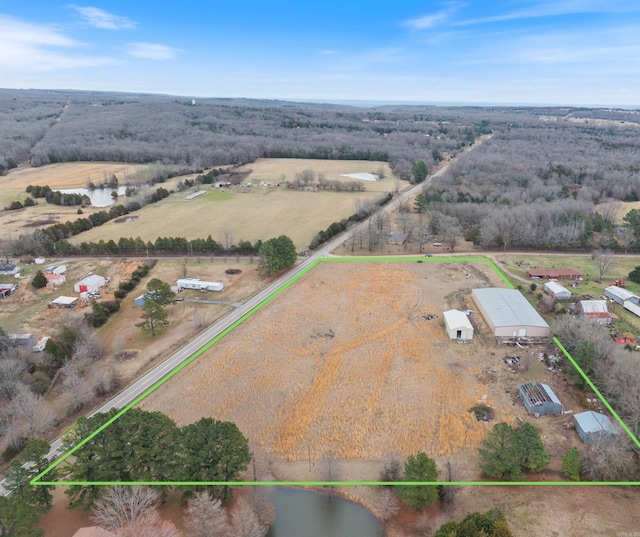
column 538, row 393
column 554, row 273
column 555, row 287
column 457, row 319
column 508, row 307
column 592, row 422
column 621, row 292
column 594, row 306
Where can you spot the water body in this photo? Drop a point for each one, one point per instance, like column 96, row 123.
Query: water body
column 100, row 197
column 300, row 513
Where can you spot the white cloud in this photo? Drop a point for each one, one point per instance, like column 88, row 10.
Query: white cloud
column 558, row 8
column 26, row 47
column 101, row 19
column 152, row 51
column 435, row 19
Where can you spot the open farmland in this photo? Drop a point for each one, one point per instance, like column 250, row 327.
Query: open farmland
column 251, row 213
column 272, row 170
column 344, row 363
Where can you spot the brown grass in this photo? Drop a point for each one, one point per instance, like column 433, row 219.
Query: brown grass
column 343, row 363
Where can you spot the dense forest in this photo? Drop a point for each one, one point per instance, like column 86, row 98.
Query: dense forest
column 547, row 178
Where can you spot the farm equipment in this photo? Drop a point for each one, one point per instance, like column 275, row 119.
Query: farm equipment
column 617, row 283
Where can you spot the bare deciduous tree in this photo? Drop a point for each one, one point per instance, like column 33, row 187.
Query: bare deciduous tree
column 226, row 236
column 604, row 262
column 244, row 521
column 206, row 517
column 610, row 461
column 77, row 389
column 11, row 371
column 121, row 507
column 387, row 504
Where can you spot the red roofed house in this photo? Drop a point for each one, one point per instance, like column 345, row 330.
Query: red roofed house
column 55, row 280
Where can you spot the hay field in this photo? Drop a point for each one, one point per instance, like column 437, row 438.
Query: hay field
column 252, row 214
column 344, row 363
column 274, row 169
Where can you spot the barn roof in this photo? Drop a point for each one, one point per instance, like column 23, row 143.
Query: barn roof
column 622, row 293
column 594, row 307
column 64, row 300
column 538, row 393
column 508, row 307
column 92, row 280
column 593, row 422
column 457, row 319
column 628, row 305
column 556, row 288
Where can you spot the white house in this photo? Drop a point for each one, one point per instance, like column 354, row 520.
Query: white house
column 457, row 325
column 200, row 285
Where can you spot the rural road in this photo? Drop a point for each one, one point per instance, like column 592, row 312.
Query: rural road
column 129, row 394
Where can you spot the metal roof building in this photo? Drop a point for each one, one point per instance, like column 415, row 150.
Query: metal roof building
column 90, row 284
column 540, row 399
column 509, row 314
column 594, row 427
column 457, row 325
column 557, row 291
column 620, row 295
column 594, row 311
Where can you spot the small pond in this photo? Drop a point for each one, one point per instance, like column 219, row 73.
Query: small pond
column 100, row 197
column 301, row 513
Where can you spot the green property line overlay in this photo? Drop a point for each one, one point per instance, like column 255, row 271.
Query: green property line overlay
column 37, row 480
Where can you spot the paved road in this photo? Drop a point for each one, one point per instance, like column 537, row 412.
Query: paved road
column 175, row 360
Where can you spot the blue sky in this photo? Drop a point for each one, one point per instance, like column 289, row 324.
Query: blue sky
column 577, row 52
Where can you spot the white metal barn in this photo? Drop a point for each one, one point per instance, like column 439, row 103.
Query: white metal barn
column 457, row 325
column 90, row 284
column 509, row 314
column 557, row 291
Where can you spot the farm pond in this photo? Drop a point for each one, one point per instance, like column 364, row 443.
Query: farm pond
column 312, row 514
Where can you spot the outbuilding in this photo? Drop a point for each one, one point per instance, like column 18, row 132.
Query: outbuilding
column 63, row 302
column 594, row 311
column 9, row 269
column 633, row 308
column 540, row 399
column 55, row 280
column 200, row 285
column 90, row 284
column 557, row 291
column 621, row 295
column 139, row 302
column 22, row 339
column 42, row 343
column 509, row 314
column 457, row 325
column 7, row 289
column 594, row 427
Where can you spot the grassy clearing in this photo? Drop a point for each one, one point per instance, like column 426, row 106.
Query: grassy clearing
column 279, row 169
column 313, row 373
column 258, row 213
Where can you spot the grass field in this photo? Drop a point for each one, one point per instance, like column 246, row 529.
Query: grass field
column 278, row 169
column 344, row 363
column 256, row 213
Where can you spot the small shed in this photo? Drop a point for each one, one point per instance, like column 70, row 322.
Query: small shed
column 621, row 295
column 540, row 399
column 594, row 311
column 39, row 260
column 42, row 343
column 139, row 302
column 59, row 270
column 90, row 284
column 594, row 427
column 557, row 291
column 63, row 302
column 7, row 289
column 457, row 325
column 55, row 280
column 22, row 339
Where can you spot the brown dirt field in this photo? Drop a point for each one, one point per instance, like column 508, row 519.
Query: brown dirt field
column 313, row 371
